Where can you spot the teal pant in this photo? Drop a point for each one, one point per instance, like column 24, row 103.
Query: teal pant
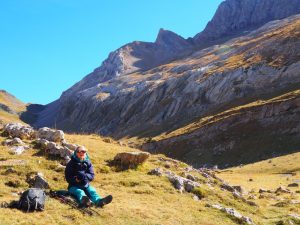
column 90, row 191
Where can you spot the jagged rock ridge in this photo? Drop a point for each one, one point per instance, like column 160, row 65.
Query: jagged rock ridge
column 168, row 96
column 234, row 17
column 135, row 56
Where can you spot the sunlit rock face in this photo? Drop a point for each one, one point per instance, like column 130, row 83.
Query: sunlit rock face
column 234, row 17
column 134, row 100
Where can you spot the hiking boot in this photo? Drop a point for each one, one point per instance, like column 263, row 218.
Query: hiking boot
column 85, row 202
column 104, row 201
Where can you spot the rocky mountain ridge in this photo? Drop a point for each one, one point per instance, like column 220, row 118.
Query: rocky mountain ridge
column 240, row 16
column 242, row 69
column 135, row 56
column 235, row 17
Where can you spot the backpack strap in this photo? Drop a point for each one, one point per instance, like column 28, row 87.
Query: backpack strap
column 28, row 203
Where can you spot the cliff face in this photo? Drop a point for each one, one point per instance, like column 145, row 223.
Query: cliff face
column 133, row 57
column 261, row 64
column 234, row 17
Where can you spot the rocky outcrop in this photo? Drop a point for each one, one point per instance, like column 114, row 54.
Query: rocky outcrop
column 234, row 213
column 180, row 183
column 15, row 141
column 51, row 134
column 130, row 159
column 54, row 149
column 234, row 17
column 17, row 146
column 18, row 130
column 18, row 150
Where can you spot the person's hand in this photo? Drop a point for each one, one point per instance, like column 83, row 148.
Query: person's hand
column 77, row 180
column 81, row 175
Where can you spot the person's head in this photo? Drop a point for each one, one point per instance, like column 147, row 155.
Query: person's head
column 81, row 152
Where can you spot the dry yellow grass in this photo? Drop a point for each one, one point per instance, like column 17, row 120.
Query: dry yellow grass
column 267, row 174
column 138, row 198
column 6, row 117
column 11, row 102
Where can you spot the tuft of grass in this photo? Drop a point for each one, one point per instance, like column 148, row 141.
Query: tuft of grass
column 104, row 169
column 200, row 192
column 14, row 183
column 129, row 183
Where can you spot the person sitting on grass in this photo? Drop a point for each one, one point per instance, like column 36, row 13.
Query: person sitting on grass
column 79, row 173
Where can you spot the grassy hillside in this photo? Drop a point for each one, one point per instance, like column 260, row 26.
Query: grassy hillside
column 213, row 119
column 13, row 105
column 140, row 198
column 242, row 134
column 11, row 101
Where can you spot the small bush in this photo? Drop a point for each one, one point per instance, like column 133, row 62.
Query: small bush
column 200, row 192
column 148, row 192
column 14, row 184
column 129, row 183
column 104, row 169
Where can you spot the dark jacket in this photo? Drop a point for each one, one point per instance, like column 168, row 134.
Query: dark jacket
column 83, row 170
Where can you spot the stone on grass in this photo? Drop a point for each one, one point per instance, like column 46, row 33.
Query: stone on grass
column 15, row 141
column 130, row 159
column 262, row 190
column 181, row 183
column 196, row 198
column 18, row 150
column 19, row 130
column 72, row 147
column 293, row 185
column 156, row 171
column 295, row 216
column 37, row 181
column 191, row 177
column 51, row 134
column 178, row 182
column 190, row 185
column 227, row 187
column 234, row 213
column 42, row 143
column 282, row 189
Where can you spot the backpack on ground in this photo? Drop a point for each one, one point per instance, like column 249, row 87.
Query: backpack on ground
column 32, row 199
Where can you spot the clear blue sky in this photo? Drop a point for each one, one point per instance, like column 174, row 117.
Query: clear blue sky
column 48, row 45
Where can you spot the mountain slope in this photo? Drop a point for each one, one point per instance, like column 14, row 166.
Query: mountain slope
column 244, row 134
column 135, row 56
column 261, row 64
column 10, row 107
column 235, row 17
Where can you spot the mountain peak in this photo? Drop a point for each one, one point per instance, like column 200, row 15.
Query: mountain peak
column 170, row 39
column 234, row 17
